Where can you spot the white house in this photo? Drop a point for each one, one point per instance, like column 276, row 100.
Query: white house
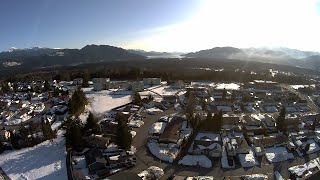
column 77, row 82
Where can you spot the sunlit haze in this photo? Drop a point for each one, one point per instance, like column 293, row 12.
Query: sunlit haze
column 165, row 25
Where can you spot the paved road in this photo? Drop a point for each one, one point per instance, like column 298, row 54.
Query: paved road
column 144, row 158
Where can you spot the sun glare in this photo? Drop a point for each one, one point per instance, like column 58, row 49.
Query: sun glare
column 241, row 24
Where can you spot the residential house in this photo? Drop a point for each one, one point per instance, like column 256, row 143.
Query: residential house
column 207, row 143
column 77, row 81
column 237, row 145
column 95, row 161
column 231, row 122
column 269, row 121
column 97, row 141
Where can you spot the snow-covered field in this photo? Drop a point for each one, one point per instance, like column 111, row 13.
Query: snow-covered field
column 103, row 101
column 196, row 160
column 44, row 161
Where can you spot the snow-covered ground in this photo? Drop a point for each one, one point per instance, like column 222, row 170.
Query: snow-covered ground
column 196, row 160
column 277, row 154
column 44, row 161
column 103, row 101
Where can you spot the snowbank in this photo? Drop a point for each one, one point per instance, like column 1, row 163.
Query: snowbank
column 277, row 154
column 43, row 161
column 196, row 160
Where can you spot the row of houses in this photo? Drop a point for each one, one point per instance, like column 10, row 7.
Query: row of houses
column 105, row 83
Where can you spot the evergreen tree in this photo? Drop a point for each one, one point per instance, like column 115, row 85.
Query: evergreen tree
column 47, row 131
column 77, row 103
column 217, row 119
column 190, row 106
column 150, row 97
column 281, row 120
column 5, row 87
column 15, row 87
column 73, row 133
column 204, row 105
column 233, row 96
column 86, row 78
column 136, row 98
column 224, row 93
column 46, row 85
column 208, row 123
column 124, row 137
column 92, row 124
column 1, row 146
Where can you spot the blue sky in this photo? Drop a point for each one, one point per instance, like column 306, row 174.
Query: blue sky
column 162, row 25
